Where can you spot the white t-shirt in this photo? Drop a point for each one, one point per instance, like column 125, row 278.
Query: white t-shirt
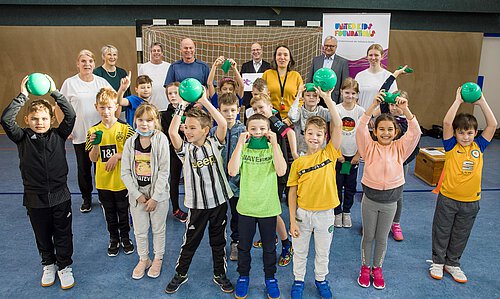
column 349, row 125
column 157, row 73
column 82, row 95
column 370, row 84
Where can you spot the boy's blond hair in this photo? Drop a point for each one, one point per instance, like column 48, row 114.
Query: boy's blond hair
column 148, row 110
column 105, row 96
column 40, row 105
column 228, row 99
column 203, row 117
column 261, row 97
column 259, row 84
column 318, row 121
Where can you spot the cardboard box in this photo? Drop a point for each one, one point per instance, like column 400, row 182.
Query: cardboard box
column 429, row 164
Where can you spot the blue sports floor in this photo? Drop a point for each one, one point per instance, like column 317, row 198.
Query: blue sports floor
column 100, row 276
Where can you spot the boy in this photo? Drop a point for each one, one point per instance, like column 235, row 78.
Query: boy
column 312, row 208
column 143, row 89
column 206, row 189
column 458, row 200
column 261, row 104
column 259, row 86
column 107, row 155
column 46, row 195
column 228, row 107
column 259, row 164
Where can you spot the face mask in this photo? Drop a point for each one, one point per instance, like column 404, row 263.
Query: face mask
column 147, row 134
column 258, row 143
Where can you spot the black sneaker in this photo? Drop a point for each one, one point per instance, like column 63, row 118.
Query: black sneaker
column 86, row 206
column 113, row 248
column 127, row 245
column 225, row 285
column 175, row 283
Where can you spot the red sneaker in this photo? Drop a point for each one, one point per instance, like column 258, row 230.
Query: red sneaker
column 364, row 276
column 378, row 278
column 180, row 215
column 397, row 233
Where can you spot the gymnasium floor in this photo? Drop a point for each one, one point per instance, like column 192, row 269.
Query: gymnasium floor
column 100, row 276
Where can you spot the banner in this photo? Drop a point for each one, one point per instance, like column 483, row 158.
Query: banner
column 355, row 33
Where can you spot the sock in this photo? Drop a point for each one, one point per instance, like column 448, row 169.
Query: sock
column 286, row 243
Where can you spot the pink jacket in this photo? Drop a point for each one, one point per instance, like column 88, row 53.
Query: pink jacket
column 383, row 168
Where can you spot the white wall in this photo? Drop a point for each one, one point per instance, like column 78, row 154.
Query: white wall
column 489, row 67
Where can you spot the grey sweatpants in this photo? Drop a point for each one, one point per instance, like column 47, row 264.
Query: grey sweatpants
column 377, row 219
column 397, row 217
column 451, row 228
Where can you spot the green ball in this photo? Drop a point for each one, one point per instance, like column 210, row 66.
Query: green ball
column 471, row 92
column 325, row 78
column 190, row 90
column 38, row 84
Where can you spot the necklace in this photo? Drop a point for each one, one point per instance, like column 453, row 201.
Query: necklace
column 109, row 73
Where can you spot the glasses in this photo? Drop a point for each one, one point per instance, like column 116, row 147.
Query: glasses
column 330, row 46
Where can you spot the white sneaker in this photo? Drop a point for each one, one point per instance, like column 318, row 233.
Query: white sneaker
column 436, row 271
column 338, row 220
column 49, row 275
column 346, row 220
column 456, row 273
column 66, row 278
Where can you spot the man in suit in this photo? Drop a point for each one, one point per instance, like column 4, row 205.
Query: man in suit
column 256, row 65
column 330, row 60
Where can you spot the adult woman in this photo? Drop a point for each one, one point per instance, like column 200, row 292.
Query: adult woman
column 109, row 71
column 282, row 82
column 371, row 79
column 81, row 90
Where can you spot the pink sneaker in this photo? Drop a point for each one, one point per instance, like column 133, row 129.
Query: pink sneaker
column 364, row 276
column 378, row 278
column 397, row 233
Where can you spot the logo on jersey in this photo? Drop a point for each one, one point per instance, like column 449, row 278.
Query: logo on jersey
column 348, row 124
column 475, row 153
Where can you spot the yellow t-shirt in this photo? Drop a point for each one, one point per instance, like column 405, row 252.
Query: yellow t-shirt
column 314, row 176
column 293, row 82
column 113, row 140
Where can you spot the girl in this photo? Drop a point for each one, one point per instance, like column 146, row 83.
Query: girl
column 382, row 181
column 145, row 170
column 226, row 84
column 350, row 113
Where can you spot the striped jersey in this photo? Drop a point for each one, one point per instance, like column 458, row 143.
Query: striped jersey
column 205, row 181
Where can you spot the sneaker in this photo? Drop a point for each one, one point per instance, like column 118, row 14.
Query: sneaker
column 180, row 215
column 86, row 206
column 225, row 285
column 285, row 256
column 272, row 289
column 364, row 276
column 175, row 283
column 66, row 278
column 346, row 220
column 140, row 269
column 324, row 289
column 127, row 245
column 297, row 289
column 338, row 220
column 241, row 290
column 49, row 275
column 378, row 278
column 397, row 233
column 258, row 244
column 113, row 248
column 436, row 270
column 155, row 269
column 457, row 273
column 234, row 252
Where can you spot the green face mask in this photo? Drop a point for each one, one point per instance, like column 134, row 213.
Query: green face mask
column 258, row 143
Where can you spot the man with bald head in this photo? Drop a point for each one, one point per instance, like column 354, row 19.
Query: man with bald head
column 188, row 66
column 330, row 60
column 256, row 65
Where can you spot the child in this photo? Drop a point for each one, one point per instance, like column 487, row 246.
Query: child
column 349, row 112
column 259, row 86
column 206, row 187
column 458, row 200
column 261, row 104
column 383, row 181
column 298, row 116
column 46, row 195
column 107, row 155
column 143, row 88
column 172, row 90
column 144, row 172
column 226, row 84
column 228, row 107
column 312, row 206
column 259, row 204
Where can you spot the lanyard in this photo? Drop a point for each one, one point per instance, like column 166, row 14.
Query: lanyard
column 282, row 89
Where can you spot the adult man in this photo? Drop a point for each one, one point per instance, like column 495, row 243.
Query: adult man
column 188, row 66
column 330, row 60
column 157, row 69
column 256, row 65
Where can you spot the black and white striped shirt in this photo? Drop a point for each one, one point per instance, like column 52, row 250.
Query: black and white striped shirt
column 205, row 181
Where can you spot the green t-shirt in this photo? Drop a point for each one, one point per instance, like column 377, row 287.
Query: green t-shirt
column 258, row 184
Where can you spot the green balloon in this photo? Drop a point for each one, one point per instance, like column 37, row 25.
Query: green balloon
column 190, row 90
column 325, row 78
column 38, row 84
column 471, row 92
